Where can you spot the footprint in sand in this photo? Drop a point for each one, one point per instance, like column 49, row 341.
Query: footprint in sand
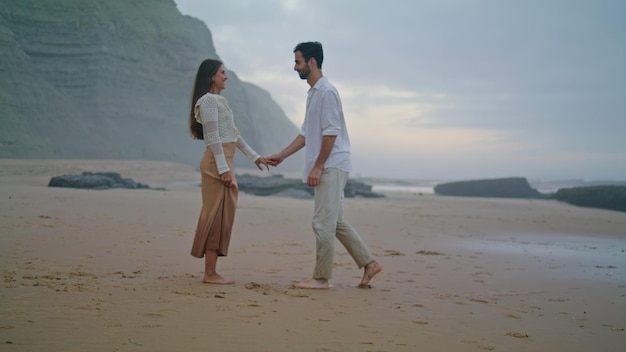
column 261, row 288
column 479, row 300
column 152, row 315
column 557, row 299
column 266, row 289
column 423, row 252
column 221, row 308
column 518, row 335
column 392, row 253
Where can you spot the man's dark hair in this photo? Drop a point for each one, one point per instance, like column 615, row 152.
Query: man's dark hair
column 311, row 50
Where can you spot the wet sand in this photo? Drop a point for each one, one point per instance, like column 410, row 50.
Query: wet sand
column 110, row 270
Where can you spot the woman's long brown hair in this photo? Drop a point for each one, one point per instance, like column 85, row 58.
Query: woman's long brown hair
column 208, row 68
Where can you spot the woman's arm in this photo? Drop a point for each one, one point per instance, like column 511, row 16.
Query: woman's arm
column 251, row 154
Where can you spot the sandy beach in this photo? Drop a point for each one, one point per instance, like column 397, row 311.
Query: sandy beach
column 110, row 270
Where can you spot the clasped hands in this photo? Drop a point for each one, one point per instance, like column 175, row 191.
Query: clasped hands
column 314, row 176
column 267, row 161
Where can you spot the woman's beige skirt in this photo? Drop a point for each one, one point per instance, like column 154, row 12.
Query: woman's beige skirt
column 218, row 206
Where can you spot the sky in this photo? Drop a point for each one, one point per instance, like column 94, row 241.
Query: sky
column 447, row 89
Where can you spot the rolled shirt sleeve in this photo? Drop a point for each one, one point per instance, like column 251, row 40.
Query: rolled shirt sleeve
column 331, row 114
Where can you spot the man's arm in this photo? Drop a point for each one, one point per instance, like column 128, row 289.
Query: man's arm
column 297, row 144
column 316, row 173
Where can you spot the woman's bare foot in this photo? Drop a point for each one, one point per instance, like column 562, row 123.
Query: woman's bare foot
column 370, row 271
column 313, row 284
column 216, row 279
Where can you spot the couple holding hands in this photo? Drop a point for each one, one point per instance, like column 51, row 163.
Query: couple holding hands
column 324, row 137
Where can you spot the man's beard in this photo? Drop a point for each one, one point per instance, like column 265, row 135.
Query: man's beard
column 304, row 74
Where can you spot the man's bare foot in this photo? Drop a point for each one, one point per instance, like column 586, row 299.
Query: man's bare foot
column 370, row 271
column 216, row 279
column 313, row 284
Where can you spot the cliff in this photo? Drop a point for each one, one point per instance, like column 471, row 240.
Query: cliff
column 112, row 80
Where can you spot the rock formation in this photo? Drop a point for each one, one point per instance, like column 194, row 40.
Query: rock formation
column 290, row 187
column 95, row 180
column 112, row 79
column 513, row 187
column 605, row 197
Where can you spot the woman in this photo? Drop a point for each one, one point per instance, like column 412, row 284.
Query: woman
column 212, row 120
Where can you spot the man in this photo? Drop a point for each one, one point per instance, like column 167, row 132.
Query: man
column 327, row 165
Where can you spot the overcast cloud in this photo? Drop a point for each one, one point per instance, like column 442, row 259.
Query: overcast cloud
column 447, row 89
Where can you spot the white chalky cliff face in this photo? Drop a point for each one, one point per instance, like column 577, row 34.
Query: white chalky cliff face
column 110, row 80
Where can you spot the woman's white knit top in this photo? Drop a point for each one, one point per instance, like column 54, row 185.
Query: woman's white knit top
column 218, row 126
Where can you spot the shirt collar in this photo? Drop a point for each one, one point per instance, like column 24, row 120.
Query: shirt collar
column 318, row 84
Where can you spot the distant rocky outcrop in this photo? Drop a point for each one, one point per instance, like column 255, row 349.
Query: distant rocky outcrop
column 605, row 197
column 95, row 180
column 93, row 79
column 278, row 185
column 512, row 187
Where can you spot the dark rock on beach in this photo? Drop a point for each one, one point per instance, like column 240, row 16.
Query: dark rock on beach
column 95, row 180
column 356, row 188
column 611, row 197
column 512, row 187
column 270, row 185
column 278, row 185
